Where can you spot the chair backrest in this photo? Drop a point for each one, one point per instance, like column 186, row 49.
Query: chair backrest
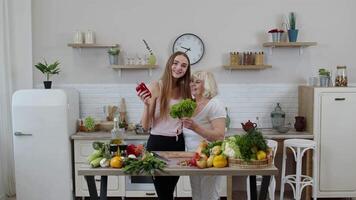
column 274, row 146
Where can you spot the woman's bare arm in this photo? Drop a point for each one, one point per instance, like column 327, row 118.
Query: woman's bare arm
column 149, row 105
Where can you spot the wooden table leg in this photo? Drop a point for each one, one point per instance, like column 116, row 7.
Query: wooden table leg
column 91, row 187
column 229, row 188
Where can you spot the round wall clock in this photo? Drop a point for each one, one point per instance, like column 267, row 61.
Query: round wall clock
column 190, row 44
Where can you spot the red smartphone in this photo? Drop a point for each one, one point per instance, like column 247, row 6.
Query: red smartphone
column 142, row 87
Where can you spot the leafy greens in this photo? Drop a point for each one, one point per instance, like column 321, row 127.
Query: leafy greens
column 184, row 108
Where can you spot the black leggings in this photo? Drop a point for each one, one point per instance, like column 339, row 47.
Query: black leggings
column 165, row 185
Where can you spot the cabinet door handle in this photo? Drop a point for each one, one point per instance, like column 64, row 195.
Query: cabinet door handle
column 340, row 99
column 18, row 133
column 97, row 180
column 150, row 193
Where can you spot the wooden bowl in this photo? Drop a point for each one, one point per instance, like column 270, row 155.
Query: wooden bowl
column 106, row 125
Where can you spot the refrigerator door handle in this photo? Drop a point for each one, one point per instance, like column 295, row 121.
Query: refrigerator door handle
column 22, row 134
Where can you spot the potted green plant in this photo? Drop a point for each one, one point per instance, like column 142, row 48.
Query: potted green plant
column 292, row 31
column 114, row 55
column 48, row 70
column 324, row 77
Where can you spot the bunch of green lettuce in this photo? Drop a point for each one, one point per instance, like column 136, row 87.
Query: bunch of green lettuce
column 184, row 108
column 230, row 147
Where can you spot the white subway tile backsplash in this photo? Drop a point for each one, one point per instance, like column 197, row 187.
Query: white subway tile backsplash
column 244, row 101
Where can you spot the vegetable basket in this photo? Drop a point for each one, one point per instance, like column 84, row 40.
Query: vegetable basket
column 254, row 164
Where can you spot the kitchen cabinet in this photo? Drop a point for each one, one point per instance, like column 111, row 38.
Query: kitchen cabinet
column 82, row 149
column 184, row 190
column 330, row 117
column 118, row 186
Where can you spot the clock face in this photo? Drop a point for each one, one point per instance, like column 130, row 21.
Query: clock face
column 190, row 44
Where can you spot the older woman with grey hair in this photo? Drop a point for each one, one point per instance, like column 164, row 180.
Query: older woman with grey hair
column 208, row 122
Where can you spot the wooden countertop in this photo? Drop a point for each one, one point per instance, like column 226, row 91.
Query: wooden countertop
column 180, row 171
column 130, row 135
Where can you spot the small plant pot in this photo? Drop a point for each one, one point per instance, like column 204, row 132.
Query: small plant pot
column 324, row 81
column 274, row 37
column 292, row 35
column 114, row 59
column 47, row 84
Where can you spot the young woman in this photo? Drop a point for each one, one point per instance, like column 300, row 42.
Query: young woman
column 166, row 133
column 208, row 122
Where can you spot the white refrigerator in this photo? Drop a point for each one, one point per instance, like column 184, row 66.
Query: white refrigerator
column 43, row 121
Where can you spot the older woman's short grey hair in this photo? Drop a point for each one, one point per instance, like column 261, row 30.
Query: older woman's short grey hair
column 210, row 86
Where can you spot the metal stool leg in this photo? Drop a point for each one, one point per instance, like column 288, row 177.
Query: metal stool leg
column 298, row 175
column 272, row 188
column 248, row 191
column 284, row 158
column 315, row 179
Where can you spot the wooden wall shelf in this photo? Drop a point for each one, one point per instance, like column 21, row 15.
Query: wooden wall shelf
column 134, row 66
column 247, row 67
column 120, row 67
column 299, row 45
column 289, row 44
column 73, row 45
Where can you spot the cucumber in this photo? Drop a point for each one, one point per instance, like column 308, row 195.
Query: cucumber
column 94, row 155
column 96, row 162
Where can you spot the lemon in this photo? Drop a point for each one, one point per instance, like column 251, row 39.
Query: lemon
column 219, row 161
column 116, row 162
column 261, row 155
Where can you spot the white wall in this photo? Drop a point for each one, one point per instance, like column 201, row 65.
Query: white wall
column 224, row 26
column 21, row 43
column 244, row 101
column 2, row 188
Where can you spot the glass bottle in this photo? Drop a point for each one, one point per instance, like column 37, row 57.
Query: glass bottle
column 116, row 134
column 341, row 77
column 227, row 120
column 278, row 117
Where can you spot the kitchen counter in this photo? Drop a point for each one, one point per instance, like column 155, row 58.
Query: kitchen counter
column 131, row 135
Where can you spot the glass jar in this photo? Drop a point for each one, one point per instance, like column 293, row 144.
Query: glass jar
column 278, row 117
column 227, row 120
column 341, row 77
column 116, row 133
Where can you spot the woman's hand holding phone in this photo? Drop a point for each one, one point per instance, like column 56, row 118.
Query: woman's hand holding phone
column 143, row 92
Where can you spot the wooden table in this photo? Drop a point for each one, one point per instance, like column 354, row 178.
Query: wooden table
column 170, row 170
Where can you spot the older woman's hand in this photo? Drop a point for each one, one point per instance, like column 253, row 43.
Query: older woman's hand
column 188, row 123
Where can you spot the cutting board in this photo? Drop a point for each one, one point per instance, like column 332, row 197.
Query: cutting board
column 175, row 154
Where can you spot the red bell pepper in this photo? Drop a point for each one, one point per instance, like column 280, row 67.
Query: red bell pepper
column 143, row 88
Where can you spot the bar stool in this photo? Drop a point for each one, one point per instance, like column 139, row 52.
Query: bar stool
column 272, row 186
column 298, row 181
